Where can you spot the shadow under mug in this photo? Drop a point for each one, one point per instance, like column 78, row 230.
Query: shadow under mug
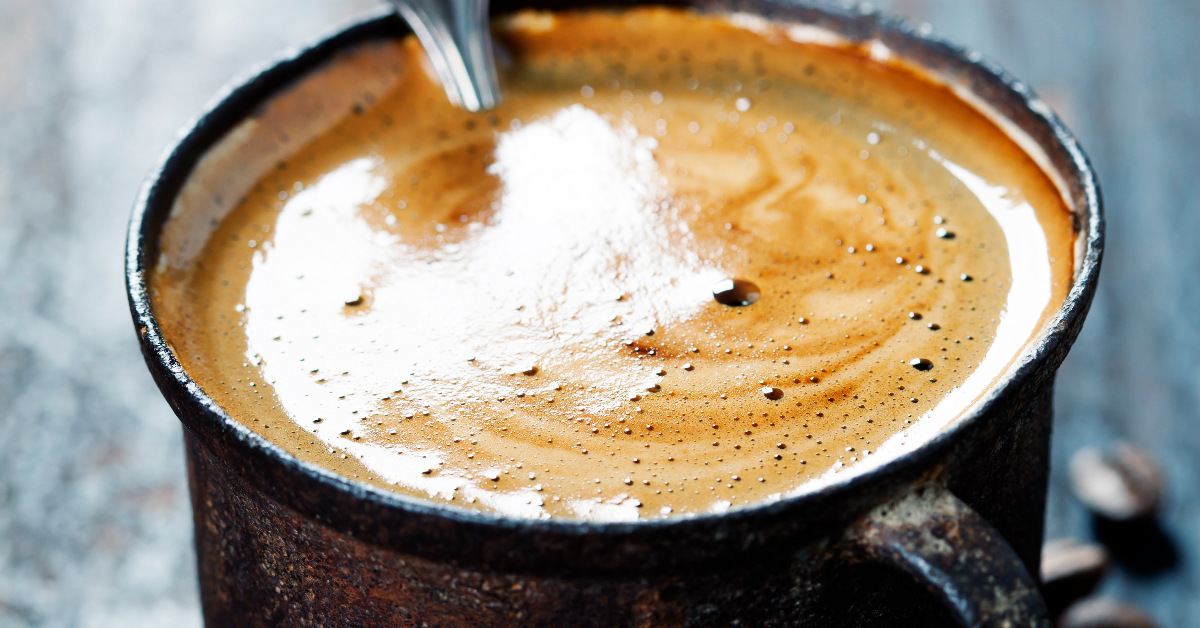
column 947, row 534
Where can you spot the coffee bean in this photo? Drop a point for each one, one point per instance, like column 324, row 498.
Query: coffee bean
column 1122, row 485
column 1071, row 569
column 1104, row 613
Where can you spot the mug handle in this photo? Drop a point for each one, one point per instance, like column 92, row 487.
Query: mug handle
column 945, row 545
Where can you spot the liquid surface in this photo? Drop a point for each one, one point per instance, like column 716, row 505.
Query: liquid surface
column 539, row 310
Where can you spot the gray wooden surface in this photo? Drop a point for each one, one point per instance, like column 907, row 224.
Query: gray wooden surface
column 95, row 527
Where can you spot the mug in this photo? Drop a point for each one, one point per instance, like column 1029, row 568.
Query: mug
column 946, row 534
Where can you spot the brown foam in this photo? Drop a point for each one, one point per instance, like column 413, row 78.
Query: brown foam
column 464, row 301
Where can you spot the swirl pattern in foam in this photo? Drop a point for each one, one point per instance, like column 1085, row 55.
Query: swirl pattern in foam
column 514, row 310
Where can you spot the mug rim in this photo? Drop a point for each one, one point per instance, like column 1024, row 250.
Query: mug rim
column 239, row 97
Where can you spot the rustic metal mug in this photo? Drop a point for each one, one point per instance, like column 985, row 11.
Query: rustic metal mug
column 946, row 534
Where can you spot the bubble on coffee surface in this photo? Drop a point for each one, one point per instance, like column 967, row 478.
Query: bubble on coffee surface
column 735, row 292
column 772, row 393
column 604, row 216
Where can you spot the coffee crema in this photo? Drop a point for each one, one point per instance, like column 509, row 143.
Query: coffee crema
column 545, row 309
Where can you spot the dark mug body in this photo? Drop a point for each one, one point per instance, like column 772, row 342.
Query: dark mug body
column 948, row 534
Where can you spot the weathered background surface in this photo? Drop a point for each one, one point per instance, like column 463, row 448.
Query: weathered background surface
column 95, row 528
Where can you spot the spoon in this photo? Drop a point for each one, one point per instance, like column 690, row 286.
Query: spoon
column 458, row 41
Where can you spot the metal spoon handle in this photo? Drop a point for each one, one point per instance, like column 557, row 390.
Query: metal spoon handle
column 456, row 36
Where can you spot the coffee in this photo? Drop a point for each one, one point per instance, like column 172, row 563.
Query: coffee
column 692, row 262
